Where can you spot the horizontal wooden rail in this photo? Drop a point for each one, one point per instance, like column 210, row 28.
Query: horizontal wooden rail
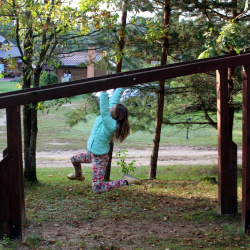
column 125, row 79
column 127, row 73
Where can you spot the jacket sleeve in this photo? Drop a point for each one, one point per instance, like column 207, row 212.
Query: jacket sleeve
column 108, row 122
column 115, row 98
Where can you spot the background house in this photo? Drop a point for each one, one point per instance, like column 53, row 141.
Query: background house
column 74, row 66
column 78, row 65
column 8, row 49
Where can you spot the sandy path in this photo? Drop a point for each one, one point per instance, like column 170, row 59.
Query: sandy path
column 168, row 155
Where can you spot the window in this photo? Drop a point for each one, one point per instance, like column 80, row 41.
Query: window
column 67, row 73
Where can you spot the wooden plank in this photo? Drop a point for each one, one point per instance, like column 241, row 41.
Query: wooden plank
column 246, row 150
column 127, row 73
column 20, row 161
column 130, row 78
column 225, row 199
column 233, row 177
column 4, row 198
column 15, row 174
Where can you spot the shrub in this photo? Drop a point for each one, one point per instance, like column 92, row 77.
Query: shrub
column 48, row 78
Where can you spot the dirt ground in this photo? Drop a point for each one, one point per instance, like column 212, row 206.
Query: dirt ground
column 112, row 234
column 168, row 155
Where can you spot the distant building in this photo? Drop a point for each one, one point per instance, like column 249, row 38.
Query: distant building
column 8, row 49
column 78, row 65
column 74, row 66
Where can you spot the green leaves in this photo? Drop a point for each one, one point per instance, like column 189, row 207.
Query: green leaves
column 155, row 30
column 231, row 35
column 126, row 167
column 207, row 53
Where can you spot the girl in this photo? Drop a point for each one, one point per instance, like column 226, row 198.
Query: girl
column 111, row 124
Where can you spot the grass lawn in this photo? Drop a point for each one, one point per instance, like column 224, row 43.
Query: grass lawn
column 176, row 211
column 7, row 86
column 55, row 134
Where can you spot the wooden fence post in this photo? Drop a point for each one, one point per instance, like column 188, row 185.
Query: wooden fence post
column 246, row 150
column 226, row 149
column 12, row 207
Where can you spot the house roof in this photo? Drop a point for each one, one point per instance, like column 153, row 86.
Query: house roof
column 76, row 58
column 5, row 52
column 2, row 39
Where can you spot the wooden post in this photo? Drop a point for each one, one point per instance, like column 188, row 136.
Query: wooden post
column 227, row 187
column 11, row 180
column 233, row 177
column 246, row 150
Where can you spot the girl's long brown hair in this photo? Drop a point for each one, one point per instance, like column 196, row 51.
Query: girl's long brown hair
column 123, row 127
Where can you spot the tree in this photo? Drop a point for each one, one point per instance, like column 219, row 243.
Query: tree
column 40, row 29
column 159, row 32
column 121, row 45
column 229, row 37
column 114, row 39
column 183, row 39
column 161, row 90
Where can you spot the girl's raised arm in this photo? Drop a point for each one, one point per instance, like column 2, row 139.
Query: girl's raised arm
column 115, row 98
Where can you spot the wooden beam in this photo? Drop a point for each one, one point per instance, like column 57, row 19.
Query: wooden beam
column 225, row 185
column 11, row 177
column 233, row 177
column 246, row 150
column 4, row 197
column 127, row 73
column 125, row 79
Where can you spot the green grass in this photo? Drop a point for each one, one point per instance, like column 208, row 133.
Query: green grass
column 54, row 125
column 55, row 134
column 8, row 86
column 183, row 200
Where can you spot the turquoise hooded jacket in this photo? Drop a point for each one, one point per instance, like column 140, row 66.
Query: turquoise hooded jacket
column 104, row 126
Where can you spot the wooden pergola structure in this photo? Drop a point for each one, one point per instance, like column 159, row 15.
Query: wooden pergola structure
column 12, row 208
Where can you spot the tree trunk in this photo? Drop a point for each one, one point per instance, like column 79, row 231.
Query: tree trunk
column 160, row 106
column 233, row 146
column 29, row 113
column 108, row 168
column 121, row 45
column 157, row 134
column 30, row 132
column 231, row 72
column 30, row 138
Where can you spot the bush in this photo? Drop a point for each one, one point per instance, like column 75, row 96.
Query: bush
column 48, row 78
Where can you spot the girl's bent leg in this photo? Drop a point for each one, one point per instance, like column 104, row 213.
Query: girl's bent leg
column 99, row 167
column 76, row 160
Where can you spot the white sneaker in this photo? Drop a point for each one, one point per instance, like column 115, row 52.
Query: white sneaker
column 74, row 177
column 131, row 180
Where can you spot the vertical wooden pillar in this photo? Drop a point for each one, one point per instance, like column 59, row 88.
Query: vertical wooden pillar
column 11, row 179
column 246, row 150
column 227, row 180
column 233, row 177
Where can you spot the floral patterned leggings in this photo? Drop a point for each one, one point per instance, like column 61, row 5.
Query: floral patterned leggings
column 99, row 163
